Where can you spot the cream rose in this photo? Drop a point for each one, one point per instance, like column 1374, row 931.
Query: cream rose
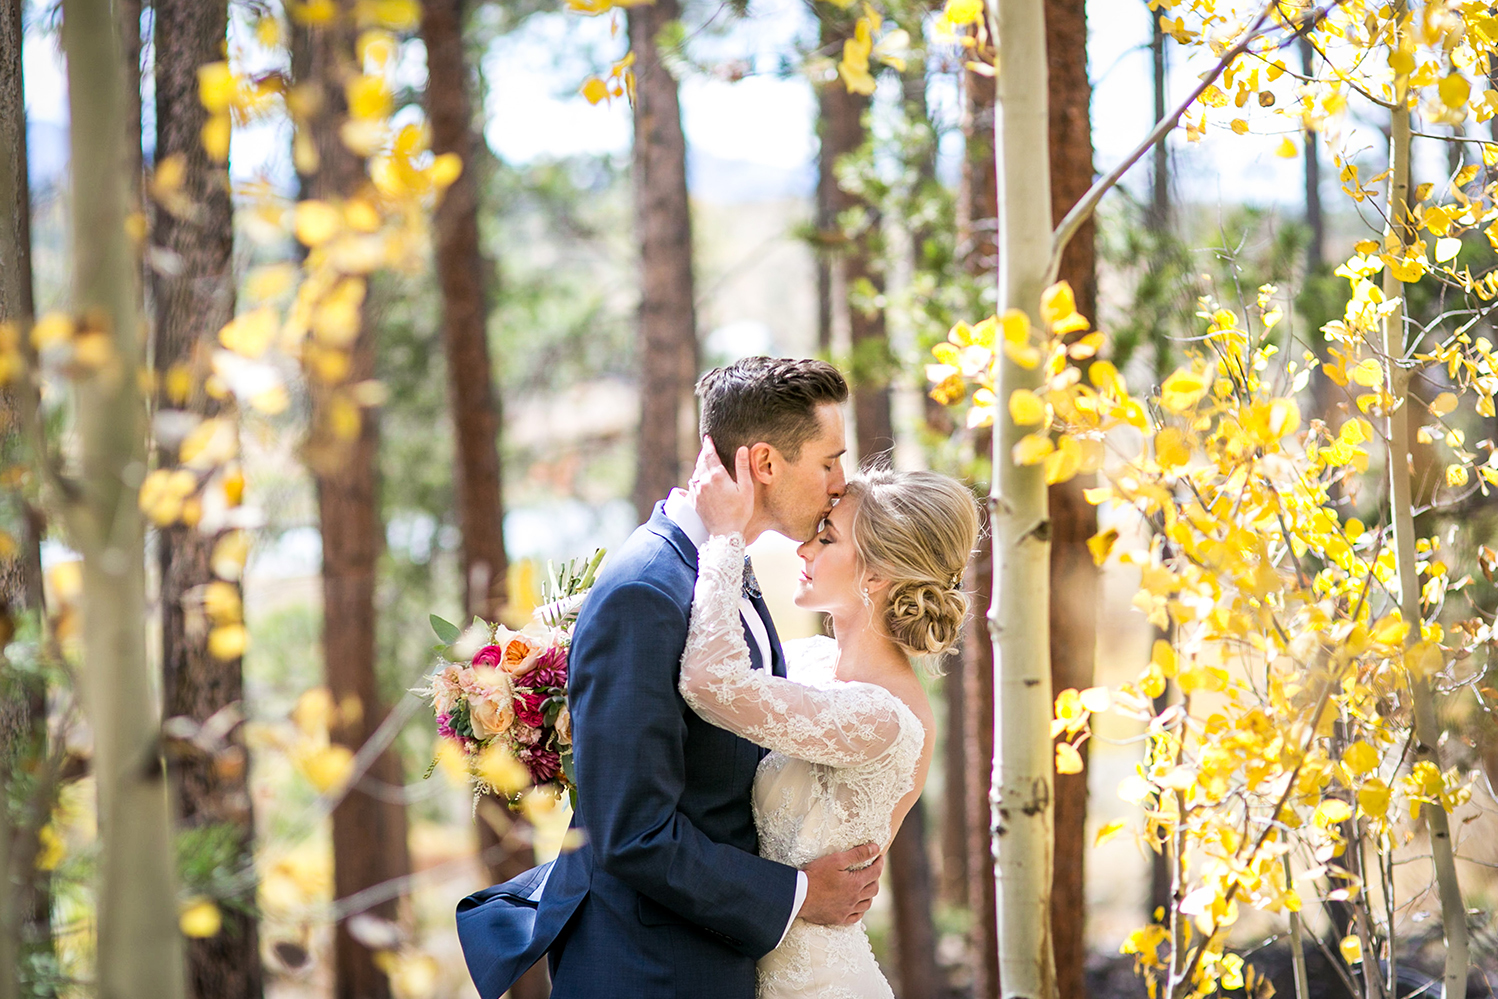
column 491, row 705
column 564, row 726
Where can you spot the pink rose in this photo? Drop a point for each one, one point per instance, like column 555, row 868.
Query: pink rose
column 447, row 688
column 489, row 655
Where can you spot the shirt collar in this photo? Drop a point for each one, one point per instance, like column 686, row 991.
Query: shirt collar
column 680, row 511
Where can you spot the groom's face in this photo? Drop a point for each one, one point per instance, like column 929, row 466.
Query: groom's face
column 804, row 490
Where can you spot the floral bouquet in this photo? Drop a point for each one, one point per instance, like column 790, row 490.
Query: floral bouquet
column 500, row 696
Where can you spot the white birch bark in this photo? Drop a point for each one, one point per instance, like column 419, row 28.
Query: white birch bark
column 1427, row 731
column 1019, row 619
column 139, row 949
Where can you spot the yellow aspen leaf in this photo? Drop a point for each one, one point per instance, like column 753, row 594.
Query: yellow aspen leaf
column 1101, row 544
column 51, row 848
column 1390, row 629
column 1287, row 149
column 595, row 90
column 1026, row 408
column 1447, row 249
column 1437, row 219
column 230, row 552
column 221, row 602
column 1454, row 91
column 497, row 768
column 53, row 328
column 326, row 768
column 451, row 761
column 1068, row 760
column 1239, row 126
column 1164, row 656
column 1443, row 404
column 1171, row 449
column 1108, row 831
column 1032, row 449
column 1423, row 659
column 217, row 87
column 217, row 133
column 344, row 418
column 1182, row 390
column 1368, row 373
column 396, row 15
column 250, row 334
column 1332, row 811
column 1456, row 475
column 412, row 974
column 446, row 168
column 1373, row 798
column 314, row 711
column 1057, row 303
column 316, row 222
column 1360, row 758
column 1062, row 464
column 200, row 918
column 1352, row 949
column 1016, row 326
column 228, row 642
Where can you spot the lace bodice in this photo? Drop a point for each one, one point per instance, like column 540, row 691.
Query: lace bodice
column 842, row 756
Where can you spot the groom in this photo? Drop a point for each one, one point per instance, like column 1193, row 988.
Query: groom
column 668, row 896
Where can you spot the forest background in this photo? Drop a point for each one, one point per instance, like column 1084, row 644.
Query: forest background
column 529, row 377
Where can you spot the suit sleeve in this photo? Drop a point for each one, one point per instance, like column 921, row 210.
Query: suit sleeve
column 631, row 770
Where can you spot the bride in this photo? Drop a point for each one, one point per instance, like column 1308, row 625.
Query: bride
column 850, row 730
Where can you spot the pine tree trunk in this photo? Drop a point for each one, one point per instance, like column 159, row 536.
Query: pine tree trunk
column 1315, row 222
column 1160, row 176
column 25, row 913
column 465, row 312
column 475, row 408
column 369, row 834
column 1023, row 789
column 910, row 891
column 668, row 318
column 978, row 676
column 139, row 948
column 978, row 208
column 1399, row 233
column 1073, row 574
column 193, row 300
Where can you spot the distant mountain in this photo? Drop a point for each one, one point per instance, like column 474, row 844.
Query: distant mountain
column 737, row 181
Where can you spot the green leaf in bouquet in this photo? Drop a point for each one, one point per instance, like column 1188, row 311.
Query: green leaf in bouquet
column 446, row 631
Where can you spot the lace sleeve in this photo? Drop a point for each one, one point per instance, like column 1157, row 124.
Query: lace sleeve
column 839, row 727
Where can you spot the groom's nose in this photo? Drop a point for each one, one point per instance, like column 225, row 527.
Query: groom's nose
column 838, row 484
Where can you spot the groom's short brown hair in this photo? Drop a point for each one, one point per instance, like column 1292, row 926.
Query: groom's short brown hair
column 769, row 399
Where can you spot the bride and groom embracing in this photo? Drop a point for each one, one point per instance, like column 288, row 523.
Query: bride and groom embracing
column 736, row 796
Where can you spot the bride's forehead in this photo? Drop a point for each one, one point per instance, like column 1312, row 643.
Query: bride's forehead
column 842, row 513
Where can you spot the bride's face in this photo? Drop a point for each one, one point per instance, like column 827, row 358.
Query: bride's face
column 831, row 580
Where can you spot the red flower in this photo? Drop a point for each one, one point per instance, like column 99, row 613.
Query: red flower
column 544, row 764
column 528, row 708
column 489, row 655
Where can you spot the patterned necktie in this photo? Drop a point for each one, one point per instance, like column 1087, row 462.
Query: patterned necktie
column 751, row 585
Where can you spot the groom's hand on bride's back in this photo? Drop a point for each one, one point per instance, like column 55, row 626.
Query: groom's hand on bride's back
column 841, row 886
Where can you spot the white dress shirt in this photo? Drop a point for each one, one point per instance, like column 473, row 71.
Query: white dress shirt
column 684, row 515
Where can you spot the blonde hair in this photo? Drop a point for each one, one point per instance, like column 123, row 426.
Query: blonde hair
column 917, row 530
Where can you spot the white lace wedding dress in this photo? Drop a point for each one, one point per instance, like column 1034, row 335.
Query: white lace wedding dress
column 842, row 757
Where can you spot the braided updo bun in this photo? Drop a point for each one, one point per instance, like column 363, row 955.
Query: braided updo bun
column 916, row 529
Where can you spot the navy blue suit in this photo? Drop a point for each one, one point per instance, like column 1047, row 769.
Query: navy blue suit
column 669, row 897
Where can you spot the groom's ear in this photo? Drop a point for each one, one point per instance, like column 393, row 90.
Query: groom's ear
column 764, row 462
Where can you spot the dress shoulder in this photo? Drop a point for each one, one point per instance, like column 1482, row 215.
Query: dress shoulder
column 811, row 660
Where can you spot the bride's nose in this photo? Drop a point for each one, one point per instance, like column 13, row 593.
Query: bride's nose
column 805, row 549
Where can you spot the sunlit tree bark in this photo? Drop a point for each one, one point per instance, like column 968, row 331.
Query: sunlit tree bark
column 668, row 352
column 193, row 299
column 1023, row 788
column 139, row 948
column 1398, row 234
column 369, row 831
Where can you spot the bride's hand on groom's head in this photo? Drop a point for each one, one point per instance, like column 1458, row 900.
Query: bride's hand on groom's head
column 724, row 502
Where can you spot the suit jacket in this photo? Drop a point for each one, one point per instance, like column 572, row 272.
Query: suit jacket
column 668, row 896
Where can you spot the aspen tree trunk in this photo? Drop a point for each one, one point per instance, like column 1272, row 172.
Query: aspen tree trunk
column 369, row 833
column 1397, row 235
column 194, row 300
column 461, row 270
column 1315, row 221
column 978, row 208
column 668, row 317
column 26, row 910
column 1160, row 175
column 1024, row 762
column 139, row 948
column 1073, row 574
